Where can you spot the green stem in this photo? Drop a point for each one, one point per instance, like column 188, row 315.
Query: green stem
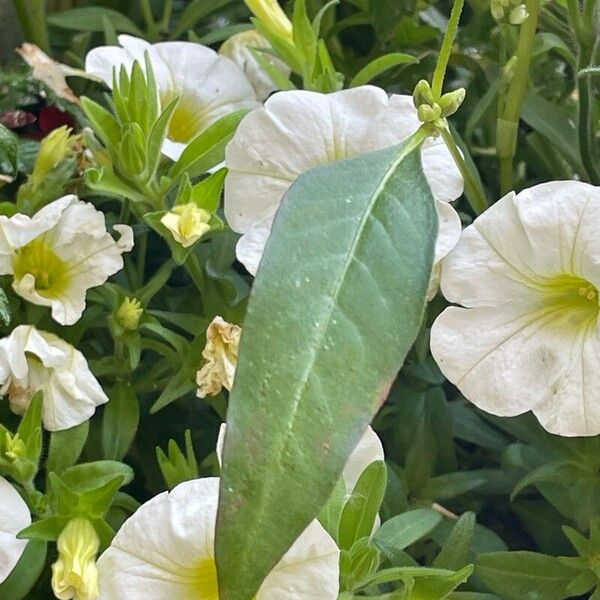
column 142, row 251
column 507, row 127
column 194, row 268
column 32, row 16
column 166, row 16
column 474, row 193
column 588, row 45
column 446, row 49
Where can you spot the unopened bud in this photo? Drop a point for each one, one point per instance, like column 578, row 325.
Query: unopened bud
column 518, row 15
column 429, row 114
column 129, row 313
column 14, row 447
column 450, row 102
column 422, row 94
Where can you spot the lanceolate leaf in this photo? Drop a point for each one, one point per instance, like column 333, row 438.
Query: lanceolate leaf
column 337, row 303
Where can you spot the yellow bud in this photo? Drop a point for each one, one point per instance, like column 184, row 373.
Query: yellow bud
column 56, row 146
column 518, row 15
column 14, row 446
column 272, row 17
column 129, row 313
column 74, row 574
column 187, row 222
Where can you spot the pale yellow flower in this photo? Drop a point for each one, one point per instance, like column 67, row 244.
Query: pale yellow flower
column 272, row 16
column 187, row 222
column 129, row 313
column 74, row 574
column 220, row 353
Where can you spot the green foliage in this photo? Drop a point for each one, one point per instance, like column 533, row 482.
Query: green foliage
column 177, row 466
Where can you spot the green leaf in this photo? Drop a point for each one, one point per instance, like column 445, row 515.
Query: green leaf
column 405, row 529
column 194, row 12
column 88, row 476
column 207, row 149
column 103, row 122
column 9, row 145
column 438, row 587
column 91, row 18
column 331, row 513
column 120, row 421
column 380, row 65
column 360, row 289
column 176, row 466
column 361, row 509
column 525, row 575
column 451, row 485
column 26, row 572
column 457, row 548
column 66, row 447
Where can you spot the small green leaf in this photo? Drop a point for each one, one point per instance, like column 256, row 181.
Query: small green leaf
column 120, row 421
column 207, row 149
column 400, row 532
column 66, row 447
column 361, row 509
column 457, row 548
column 195, row 11
column 91, row 18
column 381, row 65
column 88, row 476
column 9, row 145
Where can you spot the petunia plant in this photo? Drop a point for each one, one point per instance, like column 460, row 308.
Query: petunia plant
column 299, row 300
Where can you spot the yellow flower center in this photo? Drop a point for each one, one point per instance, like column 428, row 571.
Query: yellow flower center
column 575, row 294
column 206, row 580
column 39, row 260
column 186, row 121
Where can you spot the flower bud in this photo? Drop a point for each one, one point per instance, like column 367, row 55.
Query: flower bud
column 422, row 94
column 272, row 17
column 55, row 147
column 129, row 313
column 220, row 353
column 13, row 447
column 518, row 15
column 187, row 222
column 74, row 574
column 429, row 114
column 450, row 102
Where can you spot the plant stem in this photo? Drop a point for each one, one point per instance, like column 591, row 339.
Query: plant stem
column 32, row 16
column 166, row 16
column 446, row 50
column 507, row 126
column 475, row 195
column 588, row 45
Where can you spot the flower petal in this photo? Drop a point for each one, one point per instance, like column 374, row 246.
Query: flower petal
column 14, row 516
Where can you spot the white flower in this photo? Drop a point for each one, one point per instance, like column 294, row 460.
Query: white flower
column 527, row 272
column 220, row 354
column 14, row 516
column 368, row 450
column 209, row 86
column 33, row 360
column 166, row 551
column 299, row 130
column 59, row 253
column 239, row 48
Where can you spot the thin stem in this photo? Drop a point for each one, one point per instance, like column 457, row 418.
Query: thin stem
column 166, row 16
column 507, row 127
column 194, row 268
column 446, row 49
column 474, row 192
column 142, row 251
column 32, row 16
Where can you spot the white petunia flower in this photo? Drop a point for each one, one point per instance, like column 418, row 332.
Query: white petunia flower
column 527, row 272
column 368, row 450
column 59, row 253
column 239, row 48
column 166, row 551
column 209, row 86
column 298, row 130
column 14, row 516
column 220, row 354
column 33, row 360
